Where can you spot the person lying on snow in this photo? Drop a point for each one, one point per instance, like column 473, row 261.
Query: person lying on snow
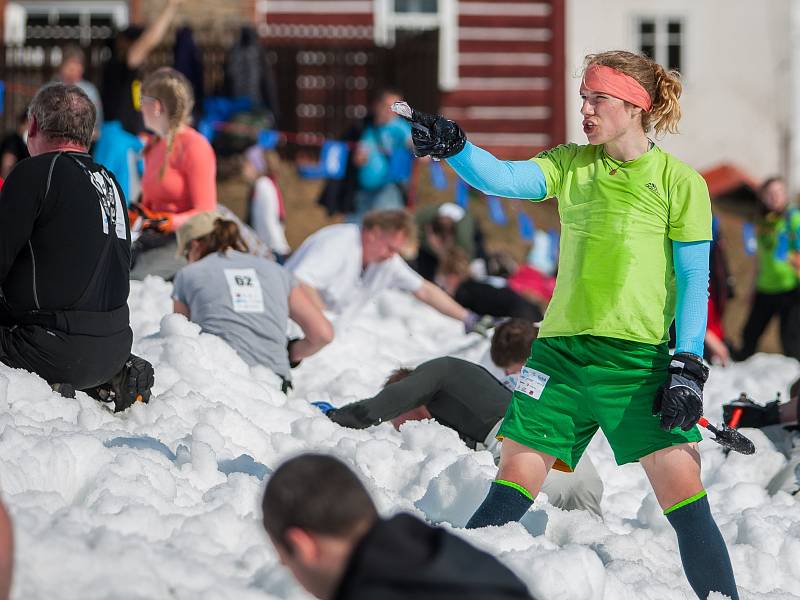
column 467, row 398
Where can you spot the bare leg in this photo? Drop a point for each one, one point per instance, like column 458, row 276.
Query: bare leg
column 519, row 478
column 674, row 473
column 675, row 476
column 524, row 466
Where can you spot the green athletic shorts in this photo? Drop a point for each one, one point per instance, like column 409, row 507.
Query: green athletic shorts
column 572, row 385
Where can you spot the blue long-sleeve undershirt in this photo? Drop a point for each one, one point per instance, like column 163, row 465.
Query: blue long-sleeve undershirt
column 506, row 178
column 525, row 179
column 691, row 278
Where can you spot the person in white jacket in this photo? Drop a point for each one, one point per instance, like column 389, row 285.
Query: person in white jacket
column 266, row 204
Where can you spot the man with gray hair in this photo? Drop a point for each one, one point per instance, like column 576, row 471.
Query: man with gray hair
column 65, row 250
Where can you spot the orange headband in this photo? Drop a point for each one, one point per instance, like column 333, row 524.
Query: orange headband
column 600, row 78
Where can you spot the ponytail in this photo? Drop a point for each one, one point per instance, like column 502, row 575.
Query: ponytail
column 224, row 236
column 174, row 92
column 666, row 111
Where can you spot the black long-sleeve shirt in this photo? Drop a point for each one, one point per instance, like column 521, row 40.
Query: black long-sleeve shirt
column 52, row 233
column 459, row 394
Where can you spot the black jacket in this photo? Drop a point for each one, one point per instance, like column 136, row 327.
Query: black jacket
column 65, row 251
column 458, row 394
column 403, row 558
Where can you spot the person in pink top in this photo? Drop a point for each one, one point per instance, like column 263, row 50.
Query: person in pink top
column 179, row 178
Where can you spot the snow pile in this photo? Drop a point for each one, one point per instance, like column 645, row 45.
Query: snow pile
column 163, row 501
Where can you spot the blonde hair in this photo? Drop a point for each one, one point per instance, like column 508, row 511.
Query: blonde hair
column 174, row 91
column 663, row 86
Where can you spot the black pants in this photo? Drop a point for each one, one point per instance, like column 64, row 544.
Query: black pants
column 786, row 306
column 82, row 361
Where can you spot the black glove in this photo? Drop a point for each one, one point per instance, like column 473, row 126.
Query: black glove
column 680, row 399
column 435, row 136
column 289, row 344
column 750, row 413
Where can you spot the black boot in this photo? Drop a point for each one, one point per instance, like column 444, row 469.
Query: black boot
column 65, row 389
column 131, row 384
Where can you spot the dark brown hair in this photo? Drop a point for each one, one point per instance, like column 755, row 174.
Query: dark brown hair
column 316, row 493
column 225, row 235
column 511, row 343
column 397, row 375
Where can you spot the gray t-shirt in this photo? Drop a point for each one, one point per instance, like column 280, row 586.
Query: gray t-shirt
column 243, row 299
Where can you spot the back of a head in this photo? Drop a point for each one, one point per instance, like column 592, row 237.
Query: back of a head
column 390, row 221
column 214, row 233
column 64, row 112
column 174, row 91
column 397, row 375
column 511, row 343
column 664, row 87
column 318, row 494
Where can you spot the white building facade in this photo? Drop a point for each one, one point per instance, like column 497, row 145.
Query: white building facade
column 740, row 98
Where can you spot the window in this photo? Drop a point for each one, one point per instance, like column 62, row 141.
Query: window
column 395, row 18
column 661, row 38
column 415, row 6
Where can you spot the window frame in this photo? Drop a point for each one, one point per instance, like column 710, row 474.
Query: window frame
column 445, row 19
column 662, row 37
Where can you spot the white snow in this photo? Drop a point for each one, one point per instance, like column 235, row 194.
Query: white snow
column 164, row 500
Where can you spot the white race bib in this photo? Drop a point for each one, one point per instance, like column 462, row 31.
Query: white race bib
column 531, row 382
column 245, row 290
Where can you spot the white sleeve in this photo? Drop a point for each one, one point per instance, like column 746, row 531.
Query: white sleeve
column 403, row 277
column 266, row 216
column 312, row 261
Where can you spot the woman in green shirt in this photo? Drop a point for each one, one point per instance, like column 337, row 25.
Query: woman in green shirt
column 778, row 277
column 635, row 238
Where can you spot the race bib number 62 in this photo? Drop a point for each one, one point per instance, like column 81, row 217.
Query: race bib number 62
column 245, row 290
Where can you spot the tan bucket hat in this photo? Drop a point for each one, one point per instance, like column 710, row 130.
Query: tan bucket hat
column 196, row 227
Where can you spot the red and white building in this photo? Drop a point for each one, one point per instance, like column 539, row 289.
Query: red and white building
column 500, row 64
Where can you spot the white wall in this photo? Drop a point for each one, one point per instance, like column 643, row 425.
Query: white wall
column 737, row 75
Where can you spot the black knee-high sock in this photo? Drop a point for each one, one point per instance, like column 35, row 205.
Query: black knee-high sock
column 703, row 553
column 505, row 502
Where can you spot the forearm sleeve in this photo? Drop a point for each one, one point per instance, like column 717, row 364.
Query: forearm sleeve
column 691, row 275
column 416, row 390
column 505, row 178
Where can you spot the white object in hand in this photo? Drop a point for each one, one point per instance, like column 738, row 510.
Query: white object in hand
column 402, row 108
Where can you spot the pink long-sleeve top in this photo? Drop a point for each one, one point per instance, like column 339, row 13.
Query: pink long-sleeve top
column 188, row 185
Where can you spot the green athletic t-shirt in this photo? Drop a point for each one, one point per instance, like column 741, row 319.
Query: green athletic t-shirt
column 615, row 274
column 778, row 239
